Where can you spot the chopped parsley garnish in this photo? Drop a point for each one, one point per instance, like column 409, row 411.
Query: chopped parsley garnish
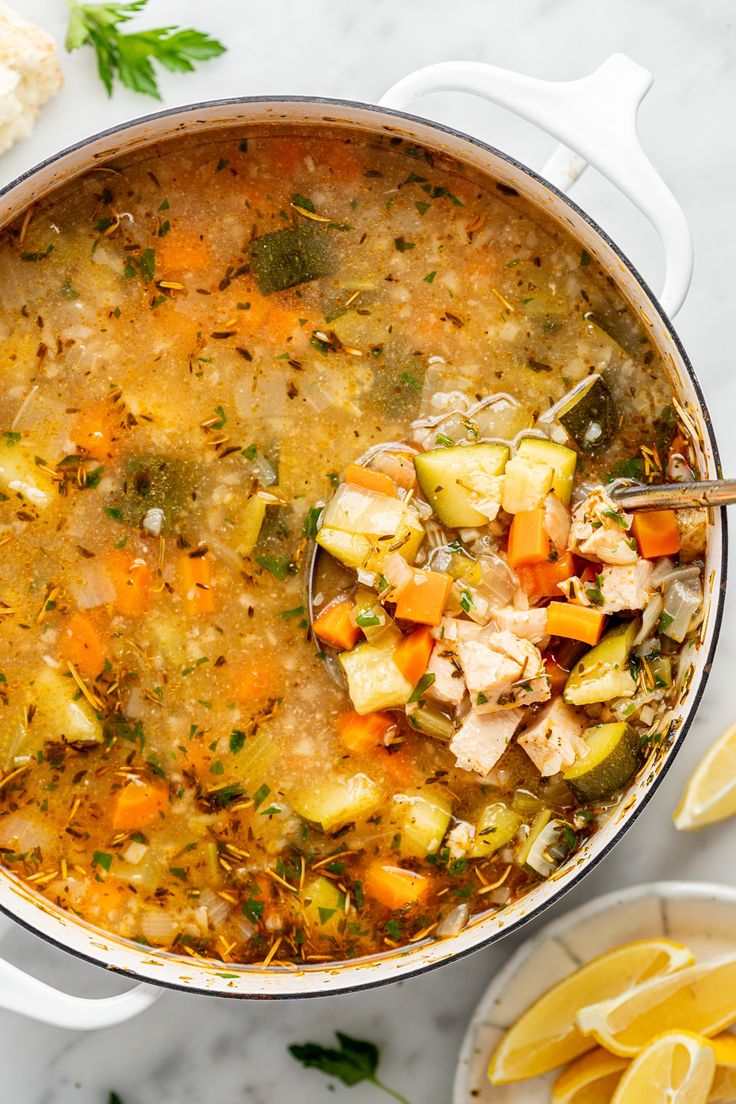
column 367, row 619
column 403, row 245
column 101, row 858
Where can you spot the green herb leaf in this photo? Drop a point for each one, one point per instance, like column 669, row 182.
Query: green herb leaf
column 443, row 439
column 429, row 278
column 261, row 794
column 311, row 520
column 664, row 622
column 366, row 619
column 129, row 57
column 403, row 245
column 237, row 740
column 278, row 566
column 466, row 600
column 250, row 452
column 302, row 201
column 633, row 468
column 585, row 257
column 225, row 795
column 12, row 437
column 355, row 1061
column 422, row 686
column 101, row 858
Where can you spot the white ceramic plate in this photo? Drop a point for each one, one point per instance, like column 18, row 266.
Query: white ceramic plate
column 702, row 916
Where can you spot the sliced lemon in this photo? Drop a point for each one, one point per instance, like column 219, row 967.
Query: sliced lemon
column 724, row 1082
column 545, row 1036
column 676, row 1068
column 591, row 1079
column 701, row 998
column 710, row 795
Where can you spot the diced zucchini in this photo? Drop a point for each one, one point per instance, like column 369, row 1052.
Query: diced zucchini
column 495, row 826
column 336, row 801
column 372, row 619
column 421, row 820
column 454, row 480
column 528, row 848
column 430, row 720
column 661, row 668
column 560, row 458
column 603, row 672
column 374, row 680
column 543, row 850
column 612, row 759
column 58, row 716
column 20, row 475
column 249, row 524
column 591, row 417
column 324, row 906
column 360, row 528
column 285, row 258
column 526, row 484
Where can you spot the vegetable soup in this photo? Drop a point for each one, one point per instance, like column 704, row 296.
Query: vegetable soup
column 224, row 353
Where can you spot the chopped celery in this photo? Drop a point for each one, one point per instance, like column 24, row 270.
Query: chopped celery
column 603, row 672
column 324, row 906
column 254, row 763
column 421, row 820
column 249, row 524
column 612, row 759
column 430, row 720
column 526, row 484
column 495, row 826
column 560, row 458
column 336, row 801
column 455, row 481
column 374, row 680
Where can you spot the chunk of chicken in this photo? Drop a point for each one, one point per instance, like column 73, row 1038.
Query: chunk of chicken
column 599, row 530
column 448, row 685
column 530, row 624
column 453, row 629
column 483, row 738
column 460, row 839
column 626, row 587
column 502, row 671
column 554, row 742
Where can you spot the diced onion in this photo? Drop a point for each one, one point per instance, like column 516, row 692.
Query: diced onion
column 397, row 573
column 218, row 910
column 96, row 590
column 159, row 927
column 265, row 471
column 650, row 618
column 682, row 600
column 454, row 922
column 496, row 583
column 134, row 852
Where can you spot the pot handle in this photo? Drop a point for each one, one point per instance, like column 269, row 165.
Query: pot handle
column 596, row 117
column 19, row 992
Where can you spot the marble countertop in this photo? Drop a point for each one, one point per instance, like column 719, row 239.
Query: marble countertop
column 196, row 1050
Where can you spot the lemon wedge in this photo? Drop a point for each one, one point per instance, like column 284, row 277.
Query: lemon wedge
column 676, row 1068
column 591, row 1079
column 724, row 1083
column 546, row 1036
column 700, row 998
column 710, row 795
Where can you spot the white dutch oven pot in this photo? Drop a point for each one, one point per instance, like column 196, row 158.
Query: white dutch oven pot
column 596, row 118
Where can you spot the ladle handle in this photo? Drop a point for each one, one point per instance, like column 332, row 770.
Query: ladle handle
column 676, row 496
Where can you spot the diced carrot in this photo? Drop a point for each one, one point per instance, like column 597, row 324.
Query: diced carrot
column 94, row 431
column 424, row 598
column 335, row 627
column 399, row 764
column 575, row 622
column 369, row 479
column 399, row 466
column 529, row 541
column 412, row 654
column 556, row 674
column 541, row 580
column 362, row 732
column 81, row 644
column 255, row 679
column 180, row 252
column 195, row 584
column 196, row 755
column 103, row 897
column 657, row 533
column 395, row 887
column 345, row 163
column 132, row 581
column 137, row 804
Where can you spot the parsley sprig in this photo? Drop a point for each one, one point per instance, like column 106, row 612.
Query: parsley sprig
column 130, row 56
column 355, row 1061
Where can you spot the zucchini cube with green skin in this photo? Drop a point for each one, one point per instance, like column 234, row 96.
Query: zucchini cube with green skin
column 560, row 458
column 374, row 680
column 526, row 484
column 58, row 715
column 360, row 528
column 324, row 906
column 603, row 672
column 285, row 258
column 612, row 760
column 421, row 821
column 452, row 480
column 496, row 825
column 591, row 418
column 336, row 801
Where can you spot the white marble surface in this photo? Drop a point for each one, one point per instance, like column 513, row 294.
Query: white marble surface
column 191, row 1050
